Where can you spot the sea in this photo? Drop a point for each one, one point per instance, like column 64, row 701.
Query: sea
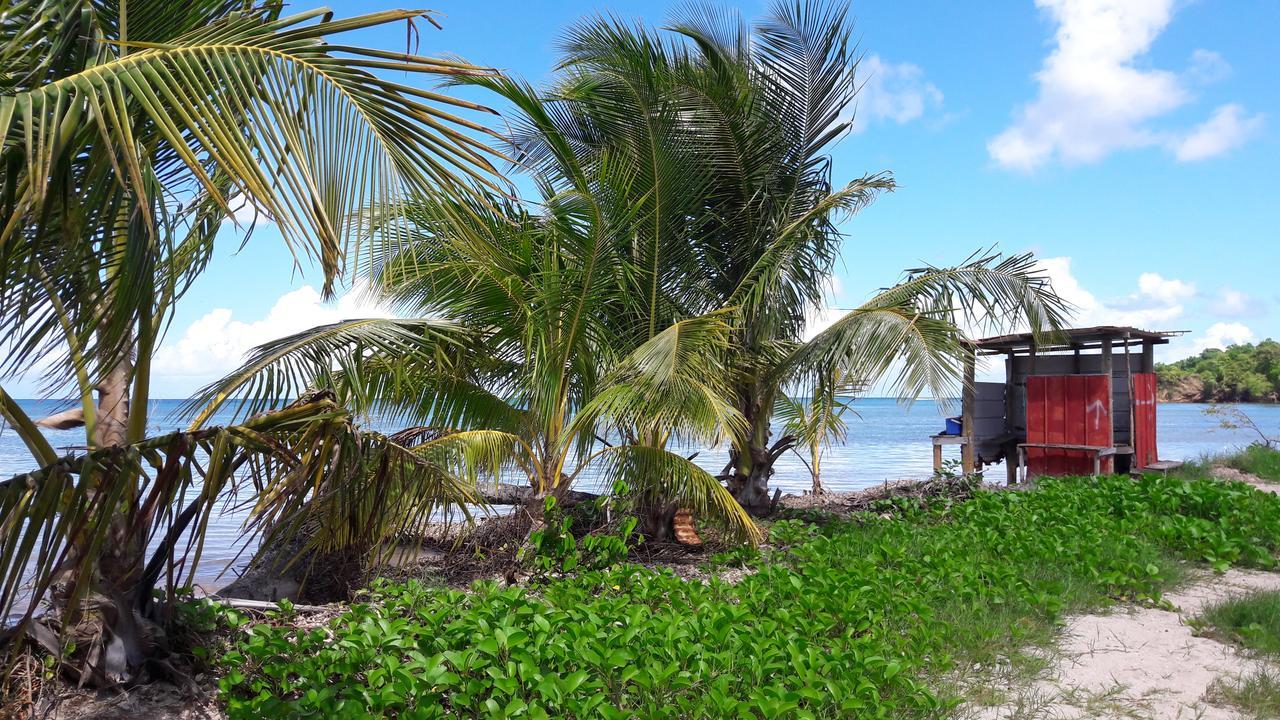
column 887, row 440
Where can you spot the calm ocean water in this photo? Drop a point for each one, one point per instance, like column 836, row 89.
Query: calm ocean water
column 887, row 441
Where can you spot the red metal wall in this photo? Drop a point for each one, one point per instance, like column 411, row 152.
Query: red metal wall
column 1144, row 420
column 1067, row 410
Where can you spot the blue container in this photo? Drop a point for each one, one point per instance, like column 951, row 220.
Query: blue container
column 953, row 426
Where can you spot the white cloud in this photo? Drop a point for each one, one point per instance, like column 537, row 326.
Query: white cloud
column 1233, row 303
column 896, row 92
column 1095, row 97
column 1227, row 129
column 1223, row 335
column 245, row 213
column 1208, row 67
column 1157, row 301
column 1163, row 290
column 217, row 343
column 819, row 319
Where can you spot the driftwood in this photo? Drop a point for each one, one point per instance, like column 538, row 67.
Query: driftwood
column 240, row 604
column 508, row 494
column 64, row 420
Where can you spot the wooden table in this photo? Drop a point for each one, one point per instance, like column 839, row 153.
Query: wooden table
column 940, row 440
column 1098, row 452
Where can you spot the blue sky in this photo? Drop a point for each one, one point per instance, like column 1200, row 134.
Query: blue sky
column 1133, row 145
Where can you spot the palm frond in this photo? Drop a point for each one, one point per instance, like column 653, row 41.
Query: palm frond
column 289, row 366
column 655, row 474
column 916, row 328
column 305, row 467
column 121, row 140
column 672, row 383
column 476, row 453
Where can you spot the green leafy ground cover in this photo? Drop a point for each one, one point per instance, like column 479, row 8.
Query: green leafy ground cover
column 862, row 617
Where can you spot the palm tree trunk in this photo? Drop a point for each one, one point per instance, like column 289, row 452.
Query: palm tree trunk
column 753, row 458
column 120, row 559
column 815, row 460
column 113, row 405
column 749, row 481
column 657, row 520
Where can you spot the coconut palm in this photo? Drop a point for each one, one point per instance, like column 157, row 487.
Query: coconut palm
column 910, row 339
column 304, row 465
column 812, row 423
column 129, row 132
column 559, row 376
column 702, row 162
column 728, row 130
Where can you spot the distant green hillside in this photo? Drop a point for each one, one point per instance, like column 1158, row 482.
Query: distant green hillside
column 1241, row 373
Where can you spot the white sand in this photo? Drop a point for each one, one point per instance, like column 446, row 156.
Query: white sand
column 1146, row 662
column 1139, row 662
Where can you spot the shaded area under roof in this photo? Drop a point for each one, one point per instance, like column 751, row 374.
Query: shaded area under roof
column 1074, row 339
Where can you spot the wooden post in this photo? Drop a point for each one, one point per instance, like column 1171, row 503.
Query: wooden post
column 1075, row 361
column 1148, row 356
column 1111, row 393
column 1106, row 359
column 937, row 457
column 1010, row 449
column 1128, row 378
column 967, row 399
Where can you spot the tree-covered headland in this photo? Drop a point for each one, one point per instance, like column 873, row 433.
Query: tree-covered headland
column 1241, row 373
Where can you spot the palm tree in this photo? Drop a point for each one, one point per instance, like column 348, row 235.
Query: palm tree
column 813, row 423
column 910, row 339
column 725, row 132
column 128, row 132
column 557, row 376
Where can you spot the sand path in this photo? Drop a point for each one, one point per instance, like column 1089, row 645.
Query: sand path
column 1138, row 662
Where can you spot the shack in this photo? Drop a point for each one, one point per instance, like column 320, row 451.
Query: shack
column 1081, row 403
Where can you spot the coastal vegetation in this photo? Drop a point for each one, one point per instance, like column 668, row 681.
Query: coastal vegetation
column 129, row 134
column 814, row 423
column 1253, row 623
column 1241, row 373
column 685, row 229
column 865, row 615
column 651, row 293
column 1258, row 460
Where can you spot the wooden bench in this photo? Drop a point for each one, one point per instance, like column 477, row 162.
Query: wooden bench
column 1098, row 452
column 1163, row 466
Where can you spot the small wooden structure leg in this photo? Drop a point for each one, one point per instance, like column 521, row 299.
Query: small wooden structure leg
column 967, row 450
column 937, row 458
